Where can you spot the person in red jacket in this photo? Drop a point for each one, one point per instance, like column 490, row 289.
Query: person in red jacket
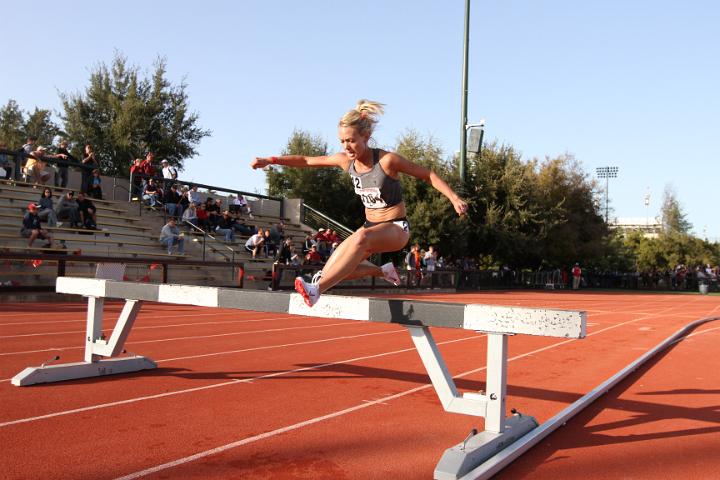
column 577, row 275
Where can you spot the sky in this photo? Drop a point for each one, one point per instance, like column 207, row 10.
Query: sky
column 614, row 83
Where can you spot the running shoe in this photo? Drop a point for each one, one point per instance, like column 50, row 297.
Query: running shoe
column 316, row 278
column 390, row 274
column 309, row 292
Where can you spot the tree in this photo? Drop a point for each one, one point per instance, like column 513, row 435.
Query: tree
column 40, row 125
column 673, row 218
column 12, row 121
column 123, row 114
column 325, row 189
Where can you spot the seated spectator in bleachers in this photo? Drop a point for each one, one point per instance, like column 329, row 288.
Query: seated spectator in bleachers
column 308, row 244
column 240, row 205
column 88, row 212
column 31, row 228
column 170, row 236
column 152, row 194
column 173, row 202
column 195, row 196
column 46, row 212
column 184, row 197
column 277, row 232
column 240, row 226
column 6, row 167
column 313, row 256
column 225, row 227
column 255, row 243
column 190, row 215
column 35, row 167
column 285, row 252
column 95, row 185
column 67, row 209
column 213, row 211
column 61, row 171
column 271, row 246
column 202, row 217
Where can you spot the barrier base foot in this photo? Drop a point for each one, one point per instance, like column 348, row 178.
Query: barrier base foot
column 466, row 456
column 72, row 371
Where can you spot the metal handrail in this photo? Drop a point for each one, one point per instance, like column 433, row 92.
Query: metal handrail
column 207, row 234
column 342, row 230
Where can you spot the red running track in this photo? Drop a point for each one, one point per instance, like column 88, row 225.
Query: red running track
column 256, row 396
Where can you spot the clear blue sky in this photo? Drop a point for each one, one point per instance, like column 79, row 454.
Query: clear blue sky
column 626, row 84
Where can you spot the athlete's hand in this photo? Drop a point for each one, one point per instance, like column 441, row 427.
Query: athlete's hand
column 460, row 207
column 260, row 162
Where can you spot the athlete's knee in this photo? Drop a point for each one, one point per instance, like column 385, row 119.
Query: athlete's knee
column 362, row 240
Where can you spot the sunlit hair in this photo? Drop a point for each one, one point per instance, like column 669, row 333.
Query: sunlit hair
column 363, row 117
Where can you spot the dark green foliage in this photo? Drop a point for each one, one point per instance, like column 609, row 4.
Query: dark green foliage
column 16, row 126
column 123, row 115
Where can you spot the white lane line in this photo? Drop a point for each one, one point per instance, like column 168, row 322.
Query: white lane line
column 214, row 385
column 145, row 327
column 143, row 315
column 196, row 337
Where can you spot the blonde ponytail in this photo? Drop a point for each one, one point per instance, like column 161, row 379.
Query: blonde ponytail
column 363, row 117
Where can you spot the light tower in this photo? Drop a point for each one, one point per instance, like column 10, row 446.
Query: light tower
column 607, row 173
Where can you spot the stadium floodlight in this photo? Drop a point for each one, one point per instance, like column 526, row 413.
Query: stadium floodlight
column 475, row 140
column 607, row 173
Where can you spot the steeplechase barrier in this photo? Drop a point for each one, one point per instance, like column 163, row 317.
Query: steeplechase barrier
column 103, row 356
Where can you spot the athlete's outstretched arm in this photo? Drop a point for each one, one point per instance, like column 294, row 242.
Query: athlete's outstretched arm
column 399, row 164
column 300, row 161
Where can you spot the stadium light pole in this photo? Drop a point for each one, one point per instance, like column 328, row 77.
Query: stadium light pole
column 647, row 211
column 607, row 173
column 464, row 95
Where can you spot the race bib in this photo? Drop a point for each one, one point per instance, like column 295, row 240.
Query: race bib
column 371, row 197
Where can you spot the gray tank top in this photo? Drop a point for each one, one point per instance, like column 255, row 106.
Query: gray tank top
column 375, row 188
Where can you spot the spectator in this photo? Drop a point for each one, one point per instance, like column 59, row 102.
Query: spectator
column 87, row 211
column 255, row 243
column 190, row 215
column 285, row 253
column 170, row 236
column 173, row 202
column 169, row 173
column 202, row 217
column 240, row 226
column 61, row 172
column 35, row 166
column 6, row 167
column 313, row 256
column 147, row 167
column 195, row 196
column 307, row 244
column 271, row 247
column 213, row 211
column 137, row 179
column 31, row 228
column 240, row 205
column 410, row 257
column 151, row 195
column 90, row 163
column 430, row 259
column 46, row 212
column 184, row 198
column 277, row 232
column 225, row 227
column 95, row 185
column 577, row 275
column 25, row 152
column 67, row 208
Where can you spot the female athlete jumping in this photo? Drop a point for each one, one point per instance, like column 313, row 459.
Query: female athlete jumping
column 375, row 177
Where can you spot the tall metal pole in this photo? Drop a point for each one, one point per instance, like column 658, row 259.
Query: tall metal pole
column 463, row 113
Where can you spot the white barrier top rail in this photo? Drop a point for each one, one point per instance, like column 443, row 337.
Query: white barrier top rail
column 485, row 318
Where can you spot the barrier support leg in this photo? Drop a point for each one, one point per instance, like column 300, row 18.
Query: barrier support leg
column 96, row 347
column 499, row 431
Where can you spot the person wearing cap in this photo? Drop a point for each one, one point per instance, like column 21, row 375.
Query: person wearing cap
column 31, row 228
column 67, row 209
column 169, row 173
column 35, row 166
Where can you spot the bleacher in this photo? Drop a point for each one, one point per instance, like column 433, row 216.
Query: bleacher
column 126, row 230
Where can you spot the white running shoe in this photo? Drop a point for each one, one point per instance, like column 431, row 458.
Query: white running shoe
column 309, row 292
column 390, row 274
column 316, row 278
